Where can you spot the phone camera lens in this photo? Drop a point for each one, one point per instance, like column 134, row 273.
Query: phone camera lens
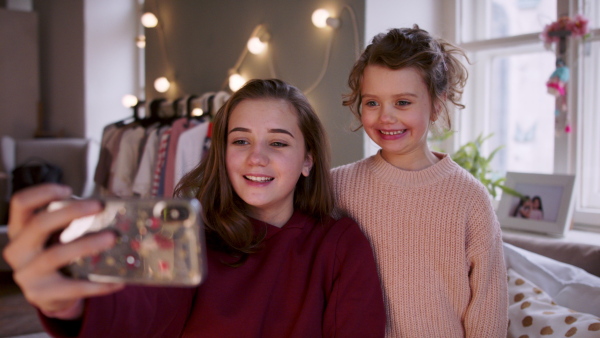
column 174, row 214
column 183, row 213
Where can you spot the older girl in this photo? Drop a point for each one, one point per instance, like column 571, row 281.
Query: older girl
column 278, row 265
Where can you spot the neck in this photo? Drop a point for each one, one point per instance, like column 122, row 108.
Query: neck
column 276, row 218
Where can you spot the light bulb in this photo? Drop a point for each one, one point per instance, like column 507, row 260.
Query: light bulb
column 236, row 81
column 129, row 100
column 255, row 46
column 162, row 84
column 149, row 20
column 141, row 41
column 321, row 18
column 197, row 112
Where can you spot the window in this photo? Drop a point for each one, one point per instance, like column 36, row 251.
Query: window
column 506, row 94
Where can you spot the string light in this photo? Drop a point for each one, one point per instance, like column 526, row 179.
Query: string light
column 140, row 41
column 258, row 40
column 236, row 81
column 256, row 46
column 149, row 20
column 129, row 100
column 321, row 18
column 162, row 84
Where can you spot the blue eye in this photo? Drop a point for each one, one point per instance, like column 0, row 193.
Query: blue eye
column 403, row 103
column 371, row 104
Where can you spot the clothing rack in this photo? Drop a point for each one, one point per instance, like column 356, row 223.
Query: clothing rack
column 147, row 154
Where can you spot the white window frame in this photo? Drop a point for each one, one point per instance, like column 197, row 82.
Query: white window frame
column 587, row 208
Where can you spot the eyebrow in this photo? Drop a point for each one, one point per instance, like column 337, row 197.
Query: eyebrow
column 400, row 94
column 275, row 131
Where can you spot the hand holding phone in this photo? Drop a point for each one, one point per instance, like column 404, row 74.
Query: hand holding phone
column 159, row 242
column 36, row 266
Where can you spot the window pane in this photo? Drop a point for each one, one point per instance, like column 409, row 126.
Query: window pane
column 488, row 19
column 592, row 11
column 522, row 112
column 589, row 126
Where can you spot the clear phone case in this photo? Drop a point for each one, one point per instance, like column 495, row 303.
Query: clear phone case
column 160, row 242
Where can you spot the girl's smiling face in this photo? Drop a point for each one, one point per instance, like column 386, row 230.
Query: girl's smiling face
column 396, row 111
column 265, row 157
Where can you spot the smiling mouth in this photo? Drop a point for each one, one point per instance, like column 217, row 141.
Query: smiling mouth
column 395, row 132
column 259, row 179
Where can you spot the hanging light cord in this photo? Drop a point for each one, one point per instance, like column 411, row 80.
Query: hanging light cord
column 328, row 51
column 163, row 42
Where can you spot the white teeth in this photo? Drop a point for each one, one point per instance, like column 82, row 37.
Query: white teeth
column 259, row 179
column 392, row 132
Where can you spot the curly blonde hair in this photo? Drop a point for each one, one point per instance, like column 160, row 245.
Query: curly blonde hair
column 436, row 60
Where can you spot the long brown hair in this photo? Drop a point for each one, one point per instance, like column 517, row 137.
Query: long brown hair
column 436, row 60
column 227, row 225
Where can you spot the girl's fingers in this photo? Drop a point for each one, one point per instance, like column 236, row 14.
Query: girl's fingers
column 52, row 292
column 24, row 204
column 68, row 290
column 30, row 240
column 35, row 267
column 57, row 256
column 55, row 295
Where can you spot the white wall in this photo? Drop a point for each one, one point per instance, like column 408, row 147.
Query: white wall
column 382, row 15
column 110, row 65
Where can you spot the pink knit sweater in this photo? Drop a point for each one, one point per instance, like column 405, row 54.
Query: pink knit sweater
column 437, row 244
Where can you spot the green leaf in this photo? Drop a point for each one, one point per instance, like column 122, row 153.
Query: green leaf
column 470, row 157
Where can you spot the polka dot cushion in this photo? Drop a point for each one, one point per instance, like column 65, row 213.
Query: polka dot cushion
column 533, row 313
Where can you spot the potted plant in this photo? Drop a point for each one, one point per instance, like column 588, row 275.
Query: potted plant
column 470, row 157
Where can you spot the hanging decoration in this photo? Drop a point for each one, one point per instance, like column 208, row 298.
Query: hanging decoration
column 557, row 33
column 557, row 86
column 559, row 30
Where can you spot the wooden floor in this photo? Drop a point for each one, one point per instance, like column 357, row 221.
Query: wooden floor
column 17, row 317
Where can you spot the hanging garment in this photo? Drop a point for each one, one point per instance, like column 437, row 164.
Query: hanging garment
column 189, row 150
column 142, row 183
column 126, row 162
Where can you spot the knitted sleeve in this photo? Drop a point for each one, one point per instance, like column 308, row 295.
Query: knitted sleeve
column 487, row 314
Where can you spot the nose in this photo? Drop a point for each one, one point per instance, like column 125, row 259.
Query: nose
column 258, row 156
column 387, row 115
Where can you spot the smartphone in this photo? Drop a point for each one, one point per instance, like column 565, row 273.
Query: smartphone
column 159, row 242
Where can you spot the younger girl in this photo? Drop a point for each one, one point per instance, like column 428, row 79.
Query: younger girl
column 278, row 265
column 434, row 233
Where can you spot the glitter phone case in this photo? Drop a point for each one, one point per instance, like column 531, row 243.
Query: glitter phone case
column 159, row 242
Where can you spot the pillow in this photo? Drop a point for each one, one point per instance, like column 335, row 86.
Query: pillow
column 533, row 313
column 566, row 284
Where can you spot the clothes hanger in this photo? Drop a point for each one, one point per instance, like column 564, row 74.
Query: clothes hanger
column 136, row 115
column 179, row 109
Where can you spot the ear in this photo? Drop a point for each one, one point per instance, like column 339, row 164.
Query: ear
column 308, row 164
